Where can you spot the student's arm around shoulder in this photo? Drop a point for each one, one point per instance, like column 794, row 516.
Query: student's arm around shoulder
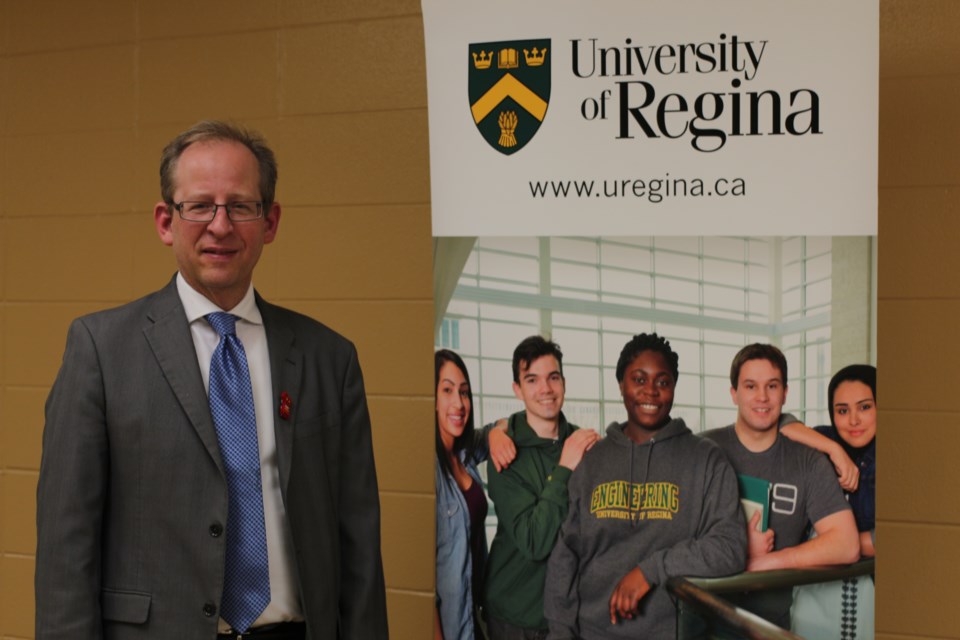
column 495, row 442
column 577, row 444
column 530, row 516
column 848, row 474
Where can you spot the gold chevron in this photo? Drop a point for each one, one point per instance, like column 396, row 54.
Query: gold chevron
column 508, row 86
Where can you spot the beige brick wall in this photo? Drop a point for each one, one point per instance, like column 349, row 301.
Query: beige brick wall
column 89, row 93
column 918, row 306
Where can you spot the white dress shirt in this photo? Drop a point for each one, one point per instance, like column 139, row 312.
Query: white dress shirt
column 284, row 599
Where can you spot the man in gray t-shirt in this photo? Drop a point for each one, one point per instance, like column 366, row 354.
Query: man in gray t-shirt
column 804, row 488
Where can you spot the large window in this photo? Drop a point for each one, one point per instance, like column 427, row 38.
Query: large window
column 709, row 296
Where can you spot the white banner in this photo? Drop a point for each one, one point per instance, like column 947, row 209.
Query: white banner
column 627, row 117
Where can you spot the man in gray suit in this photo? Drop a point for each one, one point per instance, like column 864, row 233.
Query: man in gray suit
column 209, row 474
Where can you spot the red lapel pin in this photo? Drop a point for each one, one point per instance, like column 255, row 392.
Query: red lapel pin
column 285, row 405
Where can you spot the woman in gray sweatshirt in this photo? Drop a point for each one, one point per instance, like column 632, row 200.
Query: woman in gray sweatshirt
column 648, row 502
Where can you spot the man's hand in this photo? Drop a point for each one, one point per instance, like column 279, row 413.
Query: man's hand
column 627, row 595
column 576, row 445
column 759, row 543
column 502, row 449
column 847, row 472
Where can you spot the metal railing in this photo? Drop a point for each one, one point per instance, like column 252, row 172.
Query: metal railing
column 700, row 596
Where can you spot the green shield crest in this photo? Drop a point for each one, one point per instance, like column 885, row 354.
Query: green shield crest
column 509, row 87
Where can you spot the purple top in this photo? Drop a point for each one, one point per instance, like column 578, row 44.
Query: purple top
column 477, row 506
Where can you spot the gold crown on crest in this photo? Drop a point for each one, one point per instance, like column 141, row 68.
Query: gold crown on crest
column 536, row 57
column 483, row 60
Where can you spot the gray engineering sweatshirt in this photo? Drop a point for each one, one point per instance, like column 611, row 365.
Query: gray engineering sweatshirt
column 670, row 506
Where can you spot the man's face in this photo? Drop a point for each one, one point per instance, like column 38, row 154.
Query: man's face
column 647, row 389
column 217, row 258
column 759, row 395
column 541, row 388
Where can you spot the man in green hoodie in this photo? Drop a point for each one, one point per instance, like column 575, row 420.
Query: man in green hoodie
column 530, row 496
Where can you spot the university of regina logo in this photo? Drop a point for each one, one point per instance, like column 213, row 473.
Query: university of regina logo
column 509, row 90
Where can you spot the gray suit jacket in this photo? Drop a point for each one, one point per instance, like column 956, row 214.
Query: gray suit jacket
column 132, row 488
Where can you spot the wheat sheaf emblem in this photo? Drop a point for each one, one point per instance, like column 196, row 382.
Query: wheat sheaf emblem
column 508, row 129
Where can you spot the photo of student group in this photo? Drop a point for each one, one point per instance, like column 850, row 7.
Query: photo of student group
column 591, row 527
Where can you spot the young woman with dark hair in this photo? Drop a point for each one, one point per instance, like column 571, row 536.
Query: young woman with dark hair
column 461, row 504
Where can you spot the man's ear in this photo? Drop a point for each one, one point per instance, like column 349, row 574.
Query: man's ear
column 785, row 389
column 272, row 220
column 517, row 392
column 733, row 395
column 163, row 220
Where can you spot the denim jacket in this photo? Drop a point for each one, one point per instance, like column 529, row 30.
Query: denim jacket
column 454, row 567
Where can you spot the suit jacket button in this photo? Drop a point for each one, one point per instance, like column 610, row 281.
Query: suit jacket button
column 216, row 530
column 209, row 609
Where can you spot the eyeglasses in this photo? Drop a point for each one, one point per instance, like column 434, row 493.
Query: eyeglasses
column 207, row 211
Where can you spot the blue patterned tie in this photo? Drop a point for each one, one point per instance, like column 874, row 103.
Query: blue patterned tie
column 246, row 589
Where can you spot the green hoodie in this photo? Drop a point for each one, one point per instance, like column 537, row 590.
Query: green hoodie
column 530, row 498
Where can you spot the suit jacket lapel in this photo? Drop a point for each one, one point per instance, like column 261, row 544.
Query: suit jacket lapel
column 168, row 334
column 286, row 367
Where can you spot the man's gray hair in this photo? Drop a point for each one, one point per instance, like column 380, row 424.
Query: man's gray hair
column 207, row 130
